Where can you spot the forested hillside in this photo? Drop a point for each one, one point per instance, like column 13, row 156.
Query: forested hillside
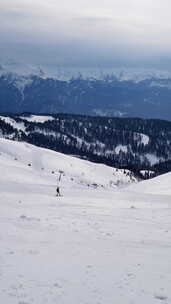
column 129, row 143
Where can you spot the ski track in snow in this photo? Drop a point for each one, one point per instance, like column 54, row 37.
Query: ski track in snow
column 90, row 246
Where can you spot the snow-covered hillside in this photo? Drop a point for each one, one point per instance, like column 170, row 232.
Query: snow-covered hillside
column 98, row 243
column 158, row 185
column 135, row 144
column 29, row 162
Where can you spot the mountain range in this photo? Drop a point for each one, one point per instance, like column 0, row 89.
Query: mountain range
column 107, row 95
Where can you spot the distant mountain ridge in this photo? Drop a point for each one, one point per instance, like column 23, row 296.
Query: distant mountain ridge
column 108, row 96
column 128, row 143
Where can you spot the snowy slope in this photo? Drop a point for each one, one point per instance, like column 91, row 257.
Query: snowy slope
column 17, row 125
column 37, row 118
column 20, row 125
column 49, row 164
column 158, row 185
column 94, row 245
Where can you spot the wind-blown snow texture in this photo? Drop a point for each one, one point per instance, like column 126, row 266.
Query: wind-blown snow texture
column 98, row 243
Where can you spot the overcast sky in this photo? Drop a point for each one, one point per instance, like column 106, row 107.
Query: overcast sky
column 87, row 32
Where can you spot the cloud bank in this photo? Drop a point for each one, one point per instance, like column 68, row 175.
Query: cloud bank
column 87, row 33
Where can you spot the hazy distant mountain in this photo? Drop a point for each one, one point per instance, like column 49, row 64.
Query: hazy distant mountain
column 105, row 95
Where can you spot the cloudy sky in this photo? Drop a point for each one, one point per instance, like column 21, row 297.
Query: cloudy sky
column 90, row 33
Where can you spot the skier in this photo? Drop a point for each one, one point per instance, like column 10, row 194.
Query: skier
column 58, row 191
column 58, row 183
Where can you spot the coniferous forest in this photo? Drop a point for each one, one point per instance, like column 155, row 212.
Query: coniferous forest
column 130, row 143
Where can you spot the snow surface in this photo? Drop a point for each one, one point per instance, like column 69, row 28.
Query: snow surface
column 145, row 139
column 144, row 172
column 153, row 159
column 17, row 125
column 103, row 244
column 157, row 185
column 121, row 148
column 37, row 118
